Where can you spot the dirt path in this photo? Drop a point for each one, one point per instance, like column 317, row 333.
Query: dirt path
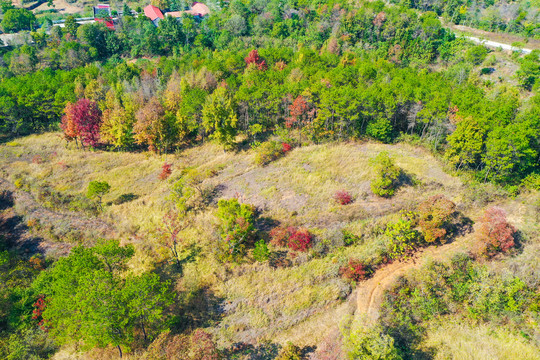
column 370, row 293
column 25, row 204
column 503, row 40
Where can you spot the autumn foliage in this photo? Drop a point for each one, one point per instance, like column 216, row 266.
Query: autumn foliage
column 355, row 270
column 495, row 234
column 434, row 218
column 166, row 171
column 254, row 58
column 39, row 307
column 300, row 240
column 292, row 237
column 82, row 121
column 343, row 197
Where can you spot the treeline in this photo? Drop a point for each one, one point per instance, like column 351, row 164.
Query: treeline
column 519, row 17
column 329, row 73
column 317, row 96
column 394, row 32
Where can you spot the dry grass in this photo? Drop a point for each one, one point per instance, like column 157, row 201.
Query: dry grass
column 456, row 340
column 303, row 302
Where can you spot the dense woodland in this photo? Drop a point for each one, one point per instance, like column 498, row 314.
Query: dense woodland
column 268, row 77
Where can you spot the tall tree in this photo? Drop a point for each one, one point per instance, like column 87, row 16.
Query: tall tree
column 219, row 117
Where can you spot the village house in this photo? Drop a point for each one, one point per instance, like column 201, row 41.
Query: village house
column 198, row 10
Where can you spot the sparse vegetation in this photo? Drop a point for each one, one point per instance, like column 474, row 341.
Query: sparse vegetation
column 152, row 206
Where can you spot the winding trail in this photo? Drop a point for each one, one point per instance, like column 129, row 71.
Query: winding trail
column 28, row 206
column 370, row 294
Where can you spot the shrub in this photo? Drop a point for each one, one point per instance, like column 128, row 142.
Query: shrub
column 280, row 235
column 495, row 234
column 300, row 240
column 403, row 237
column 37, row 159
column 386, row 175
column 532, row 181
column 368, row 343
column 434, row 217
column 270, row 151
column 261, row 252
column 355, row 270
column 290, row 352
column 236, row 229
column 343, row 197
column 285, row 148
column 166, row 171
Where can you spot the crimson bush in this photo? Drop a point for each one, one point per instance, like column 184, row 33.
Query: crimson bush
column 495, row 234
column 355, row 270
column 343, row 197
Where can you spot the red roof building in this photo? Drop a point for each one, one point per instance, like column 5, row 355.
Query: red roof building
column 153, row 12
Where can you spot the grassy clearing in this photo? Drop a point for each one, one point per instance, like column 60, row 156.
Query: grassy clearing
column 302, row 302
column 454, row 340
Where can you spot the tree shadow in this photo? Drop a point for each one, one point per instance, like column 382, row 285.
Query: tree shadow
column 198, row 308
column 263, row 351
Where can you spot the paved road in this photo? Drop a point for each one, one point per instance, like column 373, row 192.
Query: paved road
column 495, row 44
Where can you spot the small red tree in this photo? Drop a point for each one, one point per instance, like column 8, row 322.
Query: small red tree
column 298, row 110
column 494, row 234
column 166, row 171
column 39, row 307
column 300, row 240
column 82, row 120
column 355, row 270
column 285, row 148
column 254, row 58
column 343, row 197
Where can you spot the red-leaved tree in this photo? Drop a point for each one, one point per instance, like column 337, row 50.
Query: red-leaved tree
column 355, row 270
column 494, row 234
column 343, row 197
column 254, row 58
column 82, row 121
column 300, row 240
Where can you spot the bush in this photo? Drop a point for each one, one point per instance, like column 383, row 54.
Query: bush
column 280, row 235
column 386, row 175
column 300, row 240
column 435, row 215
column 270, row 151
column 532, row 181
column 285, row 148
column 495, row 235
column 355, row 270
column 343, row 197
column 368, row 343
column 290, row 352
column 236, row 229
column 166, row 171
column 403, row 237
column 261, row 252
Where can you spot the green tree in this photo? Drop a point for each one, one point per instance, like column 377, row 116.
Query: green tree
column 98, row 189
column 466, row 143
column 236, row 229
column 370, row 343
column 147, row 298
column 90, row 300
column 386, row 175
column 18, row 19
column 71, row 26
column 219, row 117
